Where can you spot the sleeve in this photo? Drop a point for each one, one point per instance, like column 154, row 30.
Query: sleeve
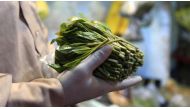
column 35, row 92
column 5, row 82
column 39, row 92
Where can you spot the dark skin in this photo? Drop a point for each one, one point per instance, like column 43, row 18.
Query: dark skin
column 79, row 83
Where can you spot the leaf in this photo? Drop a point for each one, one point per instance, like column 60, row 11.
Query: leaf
column 57, row 67
column 101, row 26
column 63, row 27
column 81, row 49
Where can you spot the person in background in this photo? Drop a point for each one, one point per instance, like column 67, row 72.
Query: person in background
column 26, row 81
column 156, row 37
column 152, row 22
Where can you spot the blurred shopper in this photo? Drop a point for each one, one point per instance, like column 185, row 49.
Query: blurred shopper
column 153, row 23
column 157, row 43
column 157, row 49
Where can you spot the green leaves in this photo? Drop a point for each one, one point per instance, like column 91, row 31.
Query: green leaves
column 183, row 17
column 80, row 37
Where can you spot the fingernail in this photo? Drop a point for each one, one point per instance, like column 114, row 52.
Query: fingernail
column 138, row 78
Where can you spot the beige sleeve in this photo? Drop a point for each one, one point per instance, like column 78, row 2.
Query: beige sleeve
column 18, row 62
column 39, row 92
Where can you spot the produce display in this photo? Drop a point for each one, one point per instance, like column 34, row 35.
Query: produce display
column 80, row 37
column 183, row 17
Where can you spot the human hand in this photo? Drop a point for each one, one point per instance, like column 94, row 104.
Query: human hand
column 79, row 84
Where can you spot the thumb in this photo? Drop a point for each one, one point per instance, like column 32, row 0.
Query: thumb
column 97, row 58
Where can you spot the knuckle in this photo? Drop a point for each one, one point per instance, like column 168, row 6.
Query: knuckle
column 81, row 70
column 99, row 55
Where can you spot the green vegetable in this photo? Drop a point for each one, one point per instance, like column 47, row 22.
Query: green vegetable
column 183, row 17
column 81, row 37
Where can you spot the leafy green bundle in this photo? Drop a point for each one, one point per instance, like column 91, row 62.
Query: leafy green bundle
column 81, row 37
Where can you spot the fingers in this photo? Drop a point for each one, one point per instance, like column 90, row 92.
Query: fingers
column 97, row 58
column 128, row 82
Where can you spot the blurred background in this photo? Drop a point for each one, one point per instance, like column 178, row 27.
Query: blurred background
column 160, row 29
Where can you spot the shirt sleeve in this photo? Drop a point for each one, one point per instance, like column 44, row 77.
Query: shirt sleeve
column 21, row 80
column 39, row 92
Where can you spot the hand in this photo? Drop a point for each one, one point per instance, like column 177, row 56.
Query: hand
column 79, row 84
